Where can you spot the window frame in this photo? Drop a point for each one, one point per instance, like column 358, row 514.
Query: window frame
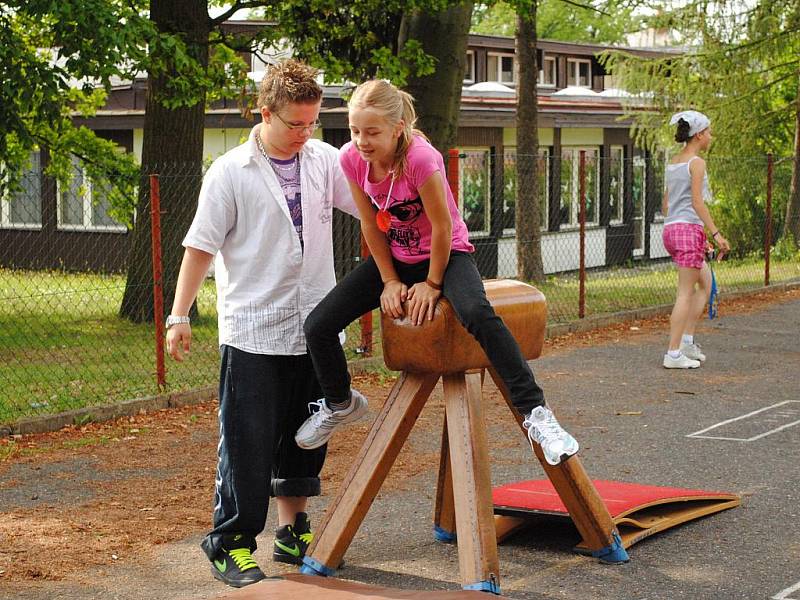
column 34, row 169
column 576, row 62
column 574, row 163
column 554, row 72
column 544, row 153
column 487, row 153
column 87, row 204
column 500, row 56
column 617, row 219
column 639, row 167
column 471, row 75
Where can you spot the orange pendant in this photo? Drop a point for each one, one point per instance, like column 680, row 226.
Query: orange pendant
column 384, row 220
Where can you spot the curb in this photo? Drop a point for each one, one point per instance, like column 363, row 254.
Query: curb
column 361, row 366
column 106, row 412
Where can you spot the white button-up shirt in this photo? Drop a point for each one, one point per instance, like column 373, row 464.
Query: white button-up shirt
column 266, row 283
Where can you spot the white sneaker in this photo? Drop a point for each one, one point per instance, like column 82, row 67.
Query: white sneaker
column 318, row 428
column 693, row 351
column 543, row 429
column 682, row 362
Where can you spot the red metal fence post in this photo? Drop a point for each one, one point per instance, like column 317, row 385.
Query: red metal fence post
column 366, row 319
column 768, row 225
column 453, row 156
column 158, row 283
column 582, row 235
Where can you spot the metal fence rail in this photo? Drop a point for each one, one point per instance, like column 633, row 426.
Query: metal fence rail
column 67, row 265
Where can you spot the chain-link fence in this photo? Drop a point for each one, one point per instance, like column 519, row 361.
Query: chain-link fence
column 589, row 226
column 77, row 287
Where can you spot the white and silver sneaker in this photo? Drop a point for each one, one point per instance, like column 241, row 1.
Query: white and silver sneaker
column 318, row 428
column 543, row 429
column 682, row 362
column 693, row 351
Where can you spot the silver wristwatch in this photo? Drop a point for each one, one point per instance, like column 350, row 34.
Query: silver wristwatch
column 175, row 320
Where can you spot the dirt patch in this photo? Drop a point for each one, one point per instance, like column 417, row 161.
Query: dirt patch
column 106, row 493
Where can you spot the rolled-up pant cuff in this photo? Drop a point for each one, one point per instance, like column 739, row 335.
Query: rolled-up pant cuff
column 297, row 486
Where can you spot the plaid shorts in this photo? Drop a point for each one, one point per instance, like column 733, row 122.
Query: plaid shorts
column 686, row 244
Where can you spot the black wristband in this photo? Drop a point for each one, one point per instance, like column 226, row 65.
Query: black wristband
column 713, row 235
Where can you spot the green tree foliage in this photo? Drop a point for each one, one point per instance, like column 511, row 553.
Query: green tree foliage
column 57, row 59
column 596, row 21
column 190, row 60
column 350, row 42
column 741, row 66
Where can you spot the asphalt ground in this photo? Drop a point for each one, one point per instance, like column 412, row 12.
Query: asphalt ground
column 635, row 422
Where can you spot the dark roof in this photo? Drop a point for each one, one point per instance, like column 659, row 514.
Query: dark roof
column 561, row 47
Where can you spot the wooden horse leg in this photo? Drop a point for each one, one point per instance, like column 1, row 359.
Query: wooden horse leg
column 469, row 458
column 577, row 492
column 444, row 511
column 444, row 516
column 368, row 471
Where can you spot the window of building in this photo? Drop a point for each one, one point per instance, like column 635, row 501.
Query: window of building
column 616, row 184
column 469, row 71
column 658, row 167
column 474, row 184
column 579, row 72
column 547, row 74
column 639, row 192
column 511, row 163
column 22, row 206
column 500, row 68
column 571, row 188
column 84, row 205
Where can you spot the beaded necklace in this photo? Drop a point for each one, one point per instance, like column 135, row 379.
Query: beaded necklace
column 285, row 173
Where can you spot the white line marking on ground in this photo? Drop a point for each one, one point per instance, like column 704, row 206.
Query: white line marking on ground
column 698, row 434
column 784, row 595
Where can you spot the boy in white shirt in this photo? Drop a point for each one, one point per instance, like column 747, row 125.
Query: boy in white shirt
column 265, row 212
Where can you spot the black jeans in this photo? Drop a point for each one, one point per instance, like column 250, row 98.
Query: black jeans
column 360, row 291
column 263, row 401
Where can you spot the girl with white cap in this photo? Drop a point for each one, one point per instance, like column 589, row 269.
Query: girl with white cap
column 686, row 218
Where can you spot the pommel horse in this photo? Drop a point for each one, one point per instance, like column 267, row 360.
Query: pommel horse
column 463, row 510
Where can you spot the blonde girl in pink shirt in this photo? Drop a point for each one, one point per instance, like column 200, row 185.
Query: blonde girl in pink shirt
column 420, row 252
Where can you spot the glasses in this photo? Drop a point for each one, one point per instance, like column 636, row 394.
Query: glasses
column 298, row 128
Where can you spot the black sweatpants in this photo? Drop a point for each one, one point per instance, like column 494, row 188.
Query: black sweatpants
column 263, row 401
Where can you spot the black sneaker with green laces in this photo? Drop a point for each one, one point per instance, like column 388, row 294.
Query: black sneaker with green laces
column 234, row 564
column 291, row 541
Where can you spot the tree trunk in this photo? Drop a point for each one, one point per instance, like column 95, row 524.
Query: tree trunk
column 528, row 218
column 793, row 205
column 443, row 35
column 173, row 148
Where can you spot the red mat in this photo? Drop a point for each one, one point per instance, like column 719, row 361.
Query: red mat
column 620, row 497
column 294, row 586
column 638, row 510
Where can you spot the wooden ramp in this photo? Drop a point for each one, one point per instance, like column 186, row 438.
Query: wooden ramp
column 638, row 511
column 294, row 586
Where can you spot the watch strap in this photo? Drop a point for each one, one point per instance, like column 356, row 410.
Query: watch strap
column 177, row 319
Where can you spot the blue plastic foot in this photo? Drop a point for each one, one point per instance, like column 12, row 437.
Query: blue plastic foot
column 442, row 535
column 491, row 586
column 314, row 567
column 613, row 554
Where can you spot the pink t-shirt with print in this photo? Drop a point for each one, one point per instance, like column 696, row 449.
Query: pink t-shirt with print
column 409, row 232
